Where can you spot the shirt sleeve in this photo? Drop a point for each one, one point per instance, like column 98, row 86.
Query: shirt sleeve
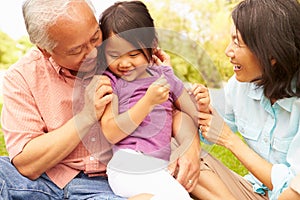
column 282, row 174
column 280, row 177
column 20, row 118
column 175, row 83
column 112, row 77
column 295, row 184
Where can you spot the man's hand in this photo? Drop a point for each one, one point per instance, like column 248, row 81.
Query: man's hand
column 186, row 168
column 97, row 95
column 161, row 58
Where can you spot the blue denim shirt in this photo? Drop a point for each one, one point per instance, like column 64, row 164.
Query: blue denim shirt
column 272, row 131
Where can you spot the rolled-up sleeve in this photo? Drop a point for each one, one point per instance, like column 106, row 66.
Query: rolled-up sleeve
column 280, row 177
column 282, row 174
column 295, row 184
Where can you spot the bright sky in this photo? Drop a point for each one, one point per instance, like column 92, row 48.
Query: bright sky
column 11, row 19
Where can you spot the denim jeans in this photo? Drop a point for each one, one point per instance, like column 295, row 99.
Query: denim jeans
column 14, row 186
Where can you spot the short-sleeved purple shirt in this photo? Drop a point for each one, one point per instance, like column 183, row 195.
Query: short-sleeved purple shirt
column 153, row 136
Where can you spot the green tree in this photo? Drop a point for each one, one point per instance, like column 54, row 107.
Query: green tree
column 11, row 50
column 207, row 24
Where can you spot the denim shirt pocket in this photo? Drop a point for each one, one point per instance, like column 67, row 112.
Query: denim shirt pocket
column 280, row 147
column 250, row 134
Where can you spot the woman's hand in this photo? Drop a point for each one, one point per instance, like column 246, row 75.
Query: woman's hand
column 214, row 129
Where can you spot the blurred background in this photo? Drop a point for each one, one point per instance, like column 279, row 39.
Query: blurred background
column 195, row 33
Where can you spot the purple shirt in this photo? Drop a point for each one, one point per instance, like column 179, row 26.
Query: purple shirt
column 153, row 136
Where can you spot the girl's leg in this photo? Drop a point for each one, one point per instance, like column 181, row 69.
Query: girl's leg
column 155, row 180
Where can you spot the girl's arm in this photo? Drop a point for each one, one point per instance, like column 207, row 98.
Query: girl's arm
column 185, row 104
column 117, row 126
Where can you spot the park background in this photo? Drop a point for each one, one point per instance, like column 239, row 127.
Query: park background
column 195, row 33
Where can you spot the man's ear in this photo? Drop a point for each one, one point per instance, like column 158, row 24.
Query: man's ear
column 45, row 52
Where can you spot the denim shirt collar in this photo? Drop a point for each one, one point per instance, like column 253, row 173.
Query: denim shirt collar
column 257, row 93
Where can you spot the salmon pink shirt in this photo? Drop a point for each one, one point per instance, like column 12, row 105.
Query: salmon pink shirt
column 39, row 97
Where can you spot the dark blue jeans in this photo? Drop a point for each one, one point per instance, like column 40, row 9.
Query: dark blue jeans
column 14, row 186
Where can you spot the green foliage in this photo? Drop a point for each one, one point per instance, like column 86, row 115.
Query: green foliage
column 2, row 143
column 11, row 50
column 189, row 60
column 204, row 23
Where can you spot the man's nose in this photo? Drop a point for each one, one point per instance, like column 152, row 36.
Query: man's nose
column 92, row 53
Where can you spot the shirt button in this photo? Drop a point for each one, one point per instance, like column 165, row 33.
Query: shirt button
column 92, row 158
column 266, row 140
column 93, row 139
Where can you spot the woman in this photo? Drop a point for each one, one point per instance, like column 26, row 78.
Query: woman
column 262, row 104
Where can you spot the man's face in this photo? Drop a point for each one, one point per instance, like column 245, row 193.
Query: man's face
column 77, row 36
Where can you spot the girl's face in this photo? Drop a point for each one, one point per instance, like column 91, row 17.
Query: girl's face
column 124, row 60
column 245, row 64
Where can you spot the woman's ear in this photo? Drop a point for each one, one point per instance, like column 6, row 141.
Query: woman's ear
column 45, row 52
column 273, row 61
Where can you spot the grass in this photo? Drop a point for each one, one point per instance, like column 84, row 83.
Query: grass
column 226, row 157
column 2, row 143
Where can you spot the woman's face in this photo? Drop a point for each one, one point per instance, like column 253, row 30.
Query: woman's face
column 245, row 64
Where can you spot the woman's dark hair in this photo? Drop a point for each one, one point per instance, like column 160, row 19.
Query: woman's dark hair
column 131, row 21
column 271, row 30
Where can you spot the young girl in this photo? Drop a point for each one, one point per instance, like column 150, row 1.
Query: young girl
column 139, row 119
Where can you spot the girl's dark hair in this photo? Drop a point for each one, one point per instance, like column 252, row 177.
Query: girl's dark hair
column 131, row 21
column 271, row 30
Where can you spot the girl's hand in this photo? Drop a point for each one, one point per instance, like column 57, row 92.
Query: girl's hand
column 158, row 92
column 201, row 96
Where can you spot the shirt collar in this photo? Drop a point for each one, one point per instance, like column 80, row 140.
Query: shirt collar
column 61, row 71
column 287, row 103
column 257, row 93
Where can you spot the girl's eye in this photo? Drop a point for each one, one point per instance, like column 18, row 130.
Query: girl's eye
column 134, row 54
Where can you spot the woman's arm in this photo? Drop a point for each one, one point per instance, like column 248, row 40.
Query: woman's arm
column 218, row 132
